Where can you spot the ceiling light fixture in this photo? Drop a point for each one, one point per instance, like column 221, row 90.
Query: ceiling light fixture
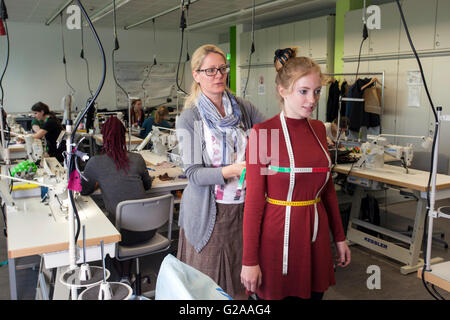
column 242, row 12
column 107, row 10
column 57, row 12
column 156, row 16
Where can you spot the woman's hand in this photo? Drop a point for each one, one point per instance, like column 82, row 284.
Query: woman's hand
column 251, row 277
column 233, row 170
column 343, row 254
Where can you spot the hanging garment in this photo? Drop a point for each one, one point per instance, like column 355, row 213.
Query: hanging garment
column 358, row 117
column 333, row 101
column 372, row 99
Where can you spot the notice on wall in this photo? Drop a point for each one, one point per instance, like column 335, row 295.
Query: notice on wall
column 414, row 95
column 414, row 83
column 261, row 86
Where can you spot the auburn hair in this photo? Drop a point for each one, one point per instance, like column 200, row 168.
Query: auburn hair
column 114, row 146
column 290, row 68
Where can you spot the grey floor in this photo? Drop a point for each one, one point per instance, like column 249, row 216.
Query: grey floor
column 351, row 282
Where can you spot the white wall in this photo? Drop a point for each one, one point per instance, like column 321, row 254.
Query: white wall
column 36, row 72
column 428, row 23
column 312, row 39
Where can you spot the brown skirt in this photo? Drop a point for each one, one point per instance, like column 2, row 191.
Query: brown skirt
column 221, row 258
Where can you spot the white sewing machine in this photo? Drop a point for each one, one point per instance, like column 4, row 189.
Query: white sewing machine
column 373, row 153
column 165, row 143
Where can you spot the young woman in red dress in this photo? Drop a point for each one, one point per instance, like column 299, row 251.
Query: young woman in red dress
column 291, row 203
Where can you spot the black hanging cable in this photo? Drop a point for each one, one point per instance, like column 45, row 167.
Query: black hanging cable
column 183, row 26
column 84, row 58
column 365, row 36
column 64, row 55
column 116, row 47
column 187, row 48
column 90, row 104
column 434, row 141
column 149, row 70
column 4, row 16
column 252, row 50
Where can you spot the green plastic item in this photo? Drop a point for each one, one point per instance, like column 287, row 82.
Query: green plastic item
column 23, row 168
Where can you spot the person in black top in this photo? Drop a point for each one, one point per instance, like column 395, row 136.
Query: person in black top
column 51, row 128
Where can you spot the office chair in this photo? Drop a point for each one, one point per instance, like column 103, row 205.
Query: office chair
column 144, row 215
column 422, row 161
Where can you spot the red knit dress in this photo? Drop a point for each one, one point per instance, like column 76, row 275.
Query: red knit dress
column 310, row 265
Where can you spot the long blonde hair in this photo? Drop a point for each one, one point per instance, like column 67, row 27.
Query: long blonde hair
column 160, row 114
column 196, row 62
column 292, row 68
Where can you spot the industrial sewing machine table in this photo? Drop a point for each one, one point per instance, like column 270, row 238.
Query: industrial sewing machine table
column 395, row 177
column 36, row 231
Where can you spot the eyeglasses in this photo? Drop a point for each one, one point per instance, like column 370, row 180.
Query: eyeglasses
column 210, row 72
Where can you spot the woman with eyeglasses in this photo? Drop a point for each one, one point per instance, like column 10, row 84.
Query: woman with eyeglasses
column 212, row 135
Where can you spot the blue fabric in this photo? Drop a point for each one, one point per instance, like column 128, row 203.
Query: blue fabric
column 147, row 126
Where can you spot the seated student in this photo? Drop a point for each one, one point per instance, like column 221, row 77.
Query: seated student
column 51, row 128
column 36, row 125
column 158, row 120
column 332, row 132
column 121, row 176
column 137, row 113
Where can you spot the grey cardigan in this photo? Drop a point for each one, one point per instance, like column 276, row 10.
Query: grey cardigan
column 198, row 206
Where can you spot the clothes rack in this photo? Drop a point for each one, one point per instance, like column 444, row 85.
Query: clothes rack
column 365, row 74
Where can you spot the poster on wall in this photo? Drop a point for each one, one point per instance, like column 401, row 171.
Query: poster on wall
column 414, row 83
column 145, row 81
column 261, row 86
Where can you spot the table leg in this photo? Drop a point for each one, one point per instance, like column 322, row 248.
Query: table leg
column 12, row 278
column 356, row 205
column 414, row 262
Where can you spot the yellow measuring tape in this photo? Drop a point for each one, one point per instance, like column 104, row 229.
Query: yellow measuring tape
column 26, row 186
column 293, row 203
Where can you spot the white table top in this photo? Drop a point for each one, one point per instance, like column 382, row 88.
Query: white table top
column 396, row 175
column 36, row 231
column 134, row 139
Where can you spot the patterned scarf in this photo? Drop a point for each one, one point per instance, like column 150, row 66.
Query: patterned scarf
column 214, row 119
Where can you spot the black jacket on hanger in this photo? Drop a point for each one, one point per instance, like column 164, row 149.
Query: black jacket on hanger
column 333, row 100
column 358, row 117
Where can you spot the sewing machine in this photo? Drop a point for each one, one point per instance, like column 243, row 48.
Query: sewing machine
column 164, row 143
column 373, row 153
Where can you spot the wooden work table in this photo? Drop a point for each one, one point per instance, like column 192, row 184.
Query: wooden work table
column 367, row 180
column 396, row 175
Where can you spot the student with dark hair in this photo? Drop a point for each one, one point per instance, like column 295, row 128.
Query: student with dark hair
column 137, row 113
column 50, row 128
column 120, row 175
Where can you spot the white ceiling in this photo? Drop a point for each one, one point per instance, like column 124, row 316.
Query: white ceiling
column 38, row 11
